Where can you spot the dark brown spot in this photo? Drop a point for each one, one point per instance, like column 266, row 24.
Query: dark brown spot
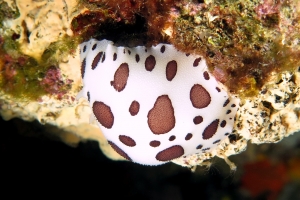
column 120, row 77
column 217, row 141
column 199, row 146
column 198, row 119
column 94, row 47
column 210, row 130
column 154, row 143
column 88, row 95
column 171, row 70
column 84, row 48
column 14, row 36
column 129, row 52
column 188, row 136
column 172, row 137
column 232, row 138
column 228, row 112
column 199, row 96
column 196, row 62
column 206, row 75
column 223, row 124
column 146, row 50
column 128, row 141
column 187, row 54
column 137, row 58
column 162, row 49
column 103, row 57
column 134, row 108
column 119, row 151
column 226, row 102
column 233, row 105
column 103, row 114
column 205, row 149
column 170, row 153
column 150, row 63
column 96, row 59
column 161, row 117
column 83, row 64
column 218, row 89
column 226, row 133
column 114, row 57
column 124, row 51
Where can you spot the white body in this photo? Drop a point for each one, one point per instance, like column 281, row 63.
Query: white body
column 145, row 87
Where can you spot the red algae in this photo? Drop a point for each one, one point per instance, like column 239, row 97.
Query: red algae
column 150, row 16
column 268, row 12
column 54, row 84
column 21, row 75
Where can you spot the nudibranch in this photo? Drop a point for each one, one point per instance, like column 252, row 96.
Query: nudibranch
column 155, row 104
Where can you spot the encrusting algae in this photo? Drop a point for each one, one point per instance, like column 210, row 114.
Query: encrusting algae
column 27, row 57
column 243, row 41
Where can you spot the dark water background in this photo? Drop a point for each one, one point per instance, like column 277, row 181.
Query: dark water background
column 32, row 164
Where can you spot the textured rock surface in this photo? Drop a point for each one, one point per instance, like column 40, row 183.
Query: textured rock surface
column 265, row 118
column 41, row 23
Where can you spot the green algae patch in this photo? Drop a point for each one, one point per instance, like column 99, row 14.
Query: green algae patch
column 7, row 13
column 20, row 77
column 35, row 38
column 24, row 77
column 57, row 51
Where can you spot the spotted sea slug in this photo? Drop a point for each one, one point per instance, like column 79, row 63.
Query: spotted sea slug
column 154, row 104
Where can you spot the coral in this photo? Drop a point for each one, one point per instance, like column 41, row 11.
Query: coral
column 247, row 40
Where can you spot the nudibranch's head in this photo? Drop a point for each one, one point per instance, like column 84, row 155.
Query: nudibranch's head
column 155, row 104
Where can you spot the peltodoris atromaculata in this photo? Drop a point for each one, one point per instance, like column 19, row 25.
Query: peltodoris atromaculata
column 155, row 104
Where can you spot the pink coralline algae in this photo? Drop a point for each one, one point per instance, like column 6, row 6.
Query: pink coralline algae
column 9, row 68
column 267, row 9
column 53, row 82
